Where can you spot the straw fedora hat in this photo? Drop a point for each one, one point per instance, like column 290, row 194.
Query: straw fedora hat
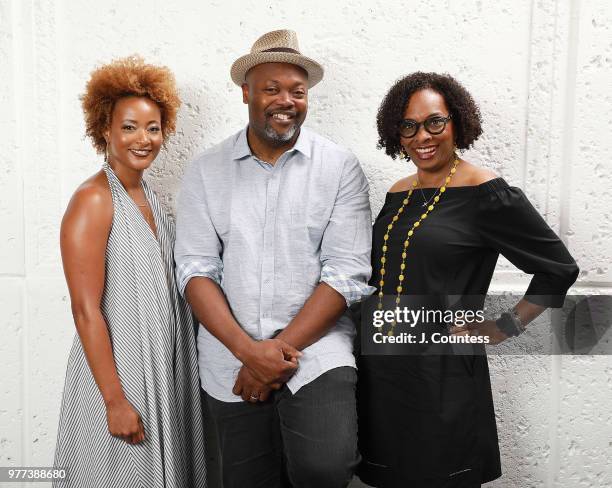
column 279, row 46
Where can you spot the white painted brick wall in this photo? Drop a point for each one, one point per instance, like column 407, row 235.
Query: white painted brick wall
column 540, row 69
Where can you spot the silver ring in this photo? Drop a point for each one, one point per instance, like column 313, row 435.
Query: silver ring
column 253, row 397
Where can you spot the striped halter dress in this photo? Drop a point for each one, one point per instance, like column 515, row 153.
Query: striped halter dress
column 153, row 341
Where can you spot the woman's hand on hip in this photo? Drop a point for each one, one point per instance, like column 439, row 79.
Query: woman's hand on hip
column 487, row 328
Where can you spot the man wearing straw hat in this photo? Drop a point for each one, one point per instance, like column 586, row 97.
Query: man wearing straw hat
column 273, row 244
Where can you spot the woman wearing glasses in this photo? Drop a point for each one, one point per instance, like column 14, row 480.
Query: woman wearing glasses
column 428, row 420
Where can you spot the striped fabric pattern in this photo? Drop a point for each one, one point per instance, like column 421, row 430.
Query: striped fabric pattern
column 152, row 335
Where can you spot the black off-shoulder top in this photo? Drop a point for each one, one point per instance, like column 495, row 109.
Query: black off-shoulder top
column 456, row 248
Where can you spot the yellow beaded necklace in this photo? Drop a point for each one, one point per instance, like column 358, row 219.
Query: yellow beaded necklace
column 411, row 231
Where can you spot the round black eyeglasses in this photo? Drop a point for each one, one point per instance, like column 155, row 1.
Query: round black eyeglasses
column 434, row 125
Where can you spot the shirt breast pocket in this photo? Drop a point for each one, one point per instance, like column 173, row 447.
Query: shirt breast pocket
column 309, row 221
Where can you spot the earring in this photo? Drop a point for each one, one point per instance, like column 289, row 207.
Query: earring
column 456, row 152
column 403, row 155
column 106, row 153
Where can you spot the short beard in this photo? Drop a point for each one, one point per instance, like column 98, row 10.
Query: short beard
column 277, row 139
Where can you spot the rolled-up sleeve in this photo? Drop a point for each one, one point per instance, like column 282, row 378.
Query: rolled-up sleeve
column 347, row 240
column 197, row 250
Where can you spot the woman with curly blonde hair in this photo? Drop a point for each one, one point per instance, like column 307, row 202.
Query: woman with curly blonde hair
column 131, row 412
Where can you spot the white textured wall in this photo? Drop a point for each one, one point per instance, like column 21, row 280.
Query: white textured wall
column 540, row 69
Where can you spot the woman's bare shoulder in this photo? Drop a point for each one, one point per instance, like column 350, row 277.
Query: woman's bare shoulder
column 403, row 185
column 92, row 197
column 476, row 175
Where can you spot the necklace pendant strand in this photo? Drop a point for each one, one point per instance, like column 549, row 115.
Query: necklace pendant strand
column 383, row 260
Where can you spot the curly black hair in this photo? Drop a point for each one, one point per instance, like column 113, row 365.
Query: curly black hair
column 461, row 105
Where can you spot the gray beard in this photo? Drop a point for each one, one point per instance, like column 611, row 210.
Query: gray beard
column 279, row 139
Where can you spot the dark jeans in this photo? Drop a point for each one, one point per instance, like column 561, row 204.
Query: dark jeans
column 304, row 440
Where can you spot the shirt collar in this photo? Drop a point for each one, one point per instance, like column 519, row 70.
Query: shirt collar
column 241, row 146
column 242, row 149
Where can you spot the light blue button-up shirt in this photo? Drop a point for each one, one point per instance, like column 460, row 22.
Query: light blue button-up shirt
column 268, row 234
